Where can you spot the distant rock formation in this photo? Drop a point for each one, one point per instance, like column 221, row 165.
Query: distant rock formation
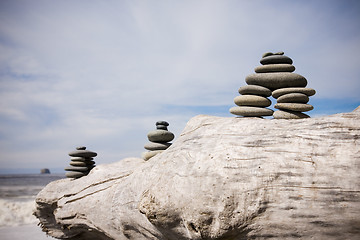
column 45, row 171
column 223, row 178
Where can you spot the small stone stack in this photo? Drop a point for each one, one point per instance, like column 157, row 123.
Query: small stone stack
column 252, row 102
column 159, row 140
column 81, row 163
column 276, row 74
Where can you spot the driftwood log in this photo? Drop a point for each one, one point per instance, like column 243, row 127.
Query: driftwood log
column 223, row 178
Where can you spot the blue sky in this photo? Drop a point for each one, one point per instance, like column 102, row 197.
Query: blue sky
column 101, row 73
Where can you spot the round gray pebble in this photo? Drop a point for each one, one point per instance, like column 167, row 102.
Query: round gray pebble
column 252, row 100
column 152, row 146
column 275, row 68
column 283, row 114
column 276, row 59
column 276, row 80
column 296, row 107
column 251, row 111
column 293, row 98
column 160, row 136
column 255, row 90
column 282, row 91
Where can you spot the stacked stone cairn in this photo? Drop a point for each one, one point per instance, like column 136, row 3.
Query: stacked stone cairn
column 159, row 140
column 81, row 163
column 275, row 76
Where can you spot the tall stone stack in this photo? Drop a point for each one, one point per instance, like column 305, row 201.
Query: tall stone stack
column 81, row 163
column 159, row 140
column 275, row 75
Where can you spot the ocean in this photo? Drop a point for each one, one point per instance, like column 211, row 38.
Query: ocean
column 17, row 202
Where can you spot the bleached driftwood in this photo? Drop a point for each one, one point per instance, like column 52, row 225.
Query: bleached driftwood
column 223, row 178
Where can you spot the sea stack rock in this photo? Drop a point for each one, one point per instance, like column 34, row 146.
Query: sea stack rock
column 159, row 140
column 287, row 87
column 81, row 163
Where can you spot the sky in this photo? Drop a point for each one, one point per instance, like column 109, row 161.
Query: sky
column 101, row 73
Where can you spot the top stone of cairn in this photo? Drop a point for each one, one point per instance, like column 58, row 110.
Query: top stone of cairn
column 275, row 58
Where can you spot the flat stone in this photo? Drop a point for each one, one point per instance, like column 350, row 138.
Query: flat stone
column 252, row 101
column 152, row 146
column 283, row 114
column 251, row 111
column 76, row 169
column 255, row 90
column 163, row 127
column 147, row 155
column 282, row 91
column 81, row 159
column 276, row 59
column 74, row 174
column 82, row 164
column 81, row 148
column 275, row 68
column 297, row 107
column 160, row 136
column 82, row 153
column 293, row 98
column 276, row 80
column 162, row 123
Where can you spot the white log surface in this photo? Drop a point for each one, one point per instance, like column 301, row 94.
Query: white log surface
column 223, row 178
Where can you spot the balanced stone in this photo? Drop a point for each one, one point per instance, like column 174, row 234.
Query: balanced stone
column 276, row 80
column 81, row 148
column 72, row 174
column 282, row 91
column 297, row 107
column 275, row 68
column 163, row 127
column 82, row 153
column 276, row 59
column 293, row 98
column 152, row 146
column 251, row 111
column 150, row 154
column 286, row 114
column 82, row 164
column 76, row 169
column 255, row 90
column 252, row 101
column 162, row 123
column 160, row 136
column 80, row 159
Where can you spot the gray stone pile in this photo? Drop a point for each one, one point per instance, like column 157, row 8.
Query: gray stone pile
column 274, row 77
column 81, row 163
column 159, row 140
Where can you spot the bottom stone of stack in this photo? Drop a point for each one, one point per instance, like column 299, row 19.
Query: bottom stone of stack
column 73, row 174
column 246, row 111
column 147, row 155
column 286, row 114
column 297, row 107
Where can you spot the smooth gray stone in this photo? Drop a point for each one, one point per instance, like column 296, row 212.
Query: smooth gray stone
column 82, row 164
column 252, row 101
column 81, row 159
column 297, row 107
column 275, row 68
column 162, row 123
column 76, row 169
column 147, row 155
column 255, row 90
column 81, row 148
column 276, row 80
column 82, row 153
column 74, row 174
column 163, row 127
column 152, row 146
column 267, row 54
column 276, row 59
column 282, row 91
column 283, row 114
column 160, row 136
column 251, row 111
column 293, row 98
